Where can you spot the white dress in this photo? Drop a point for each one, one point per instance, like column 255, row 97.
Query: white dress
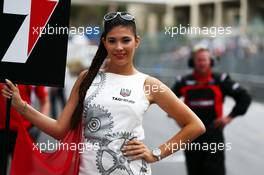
column 113, row 114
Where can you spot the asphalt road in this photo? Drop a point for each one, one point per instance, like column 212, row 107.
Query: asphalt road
column 245, row 135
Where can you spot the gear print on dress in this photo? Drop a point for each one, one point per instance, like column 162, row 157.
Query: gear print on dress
column 109, row 148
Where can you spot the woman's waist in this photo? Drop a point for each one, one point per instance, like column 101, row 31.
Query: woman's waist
column 109, row 159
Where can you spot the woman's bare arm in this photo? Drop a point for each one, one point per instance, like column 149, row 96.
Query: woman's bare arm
column 55, row 128
column 191, row 125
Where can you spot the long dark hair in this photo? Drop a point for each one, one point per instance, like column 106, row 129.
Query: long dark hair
column 97, row 62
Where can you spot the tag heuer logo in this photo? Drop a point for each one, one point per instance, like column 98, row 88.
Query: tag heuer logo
column 125, row 92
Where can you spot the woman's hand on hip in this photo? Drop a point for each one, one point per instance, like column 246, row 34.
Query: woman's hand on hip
column 136, row 149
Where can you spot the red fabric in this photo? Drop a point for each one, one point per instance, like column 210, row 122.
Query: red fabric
column 28, row 160
column 218, row 101
column 25, row 92
column 203, row 78
column 203, row 84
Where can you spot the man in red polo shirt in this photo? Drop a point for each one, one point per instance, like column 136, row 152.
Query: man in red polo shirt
column 204, row 91
column 25, row 92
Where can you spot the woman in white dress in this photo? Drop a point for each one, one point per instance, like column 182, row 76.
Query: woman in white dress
column 110, row 104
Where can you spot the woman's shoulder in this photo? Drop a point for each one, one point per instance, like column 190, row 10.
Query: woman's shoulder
column 83, row 73
column 154, row 88
column 81, row 77
column 150, row 80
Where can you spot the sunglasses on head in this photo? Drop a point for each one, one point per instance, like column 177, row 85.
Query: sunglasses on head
column 124, row 15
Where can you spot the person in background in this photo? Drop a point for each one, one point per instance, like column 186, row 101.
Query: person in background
column 56, row 95
column 204, row 91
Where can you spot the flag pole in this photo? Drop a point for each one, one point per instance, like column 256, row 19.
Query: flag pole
column 6, row 140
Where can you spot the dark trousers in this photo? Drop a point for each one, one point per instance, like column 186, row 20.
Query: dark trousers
column 207, row 162
column 11, row 147
column 57, row 94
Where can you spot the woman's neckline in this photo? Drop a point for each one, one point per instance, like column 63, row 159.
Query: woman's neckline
column 122, row 75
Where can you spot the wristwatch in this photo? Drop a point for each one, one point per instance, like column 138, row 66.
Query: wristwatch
column 157, row 153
